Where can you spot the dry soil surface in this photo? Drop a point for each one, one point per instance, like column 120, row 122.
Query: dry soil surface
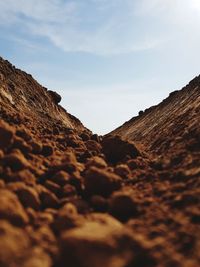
column 70, row 198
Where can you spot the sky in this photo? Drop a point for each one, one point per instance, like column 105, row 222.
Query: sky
column 108, row 59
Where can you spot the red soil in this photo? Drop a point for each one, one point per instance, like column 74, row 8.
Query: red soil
column 71, row 198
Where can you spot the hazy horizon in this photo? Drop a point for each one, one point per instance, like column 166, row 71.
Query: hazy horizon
column 107, row 59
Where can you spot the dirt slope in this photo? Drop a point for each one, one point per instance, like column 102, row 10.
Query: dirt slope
column 71, row 198
column 176, row 119
column 27, row 100
column 170, row 131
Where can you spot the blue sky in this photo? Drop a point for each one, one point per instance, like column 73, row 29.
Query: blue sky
column 108, row 59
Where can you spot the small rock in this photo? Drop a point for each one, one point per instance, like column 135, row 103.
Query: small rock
column 53, row 187
column 32, row 214
column 47, row 150
column 77, row 181
column 48, row 199
column 99, row 203
column 95, row 137
column 44, row 218
column 101, row 182
column 24, row 176
column 138, row 163
column 96, row 162
column 55, row 96
column 6, row 135
column 36, row 147
column 61, row 178
column 20, row 144
column 67, row 218
column 69, row 190
column 11, row 209
column 92, row 145
column 2, row 184
column 26, row 194
column 81, row 205
column 85, row 136
column 73, row 141
column 117, row 149
column 24, row 134
column 122, row 170
column 104, row 218
column 69, row 164
column 123, row 206
column 16, row 160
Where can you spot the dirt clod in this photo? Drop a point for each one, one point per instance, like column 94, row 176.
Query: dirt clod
column 101, row 182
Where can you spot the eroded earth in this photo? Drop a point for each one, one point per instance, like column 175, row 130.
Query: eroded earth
column 71, row 198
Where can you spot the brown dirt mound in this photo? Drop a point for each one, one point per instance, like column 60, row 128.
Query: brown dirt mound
column 71, row 198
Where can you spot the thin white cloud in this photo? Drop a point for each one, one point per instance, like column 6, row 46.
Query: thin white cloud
column 177, row 12
column 94, row 26
column 100, row 26
column 49, row 11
